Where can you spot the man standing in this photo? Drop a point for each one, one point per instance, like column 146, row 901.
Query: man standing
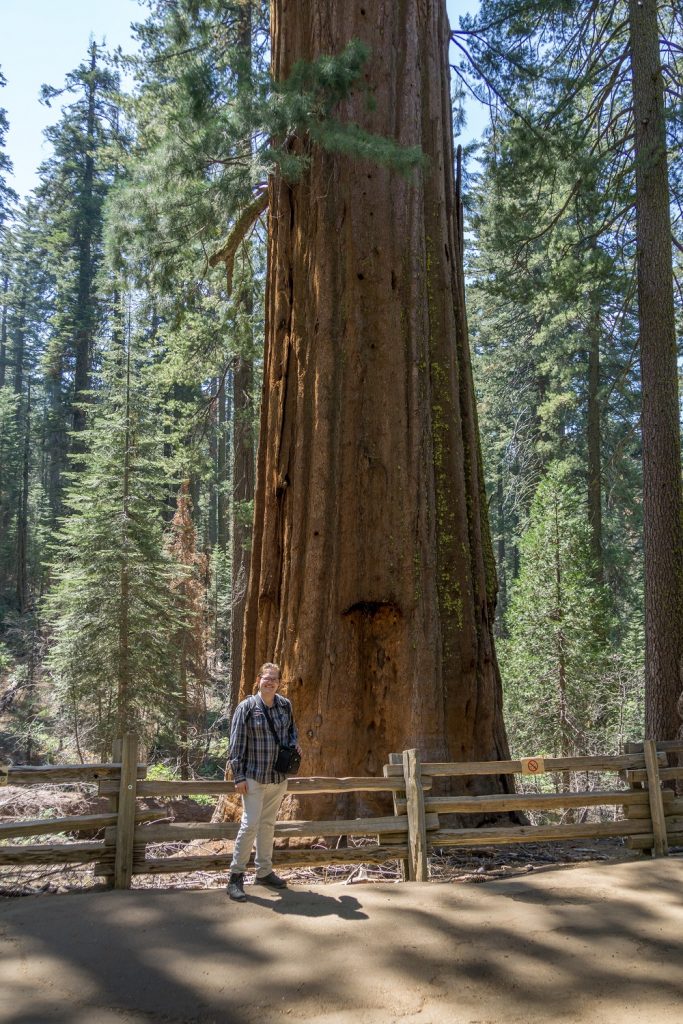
column 253, row 749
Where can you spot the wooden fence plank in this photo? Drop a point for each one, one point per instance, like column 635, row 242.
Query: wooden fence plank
column 52, row 853
column 77, row 823
column 26, row 775
column 654, row 788
column 665, row 774
column 187, row 831
column 669, row 746
column 299, row 785
column 417, row 831
column 607, row 762
column 646, row 841
column 642, row 810
column 398, row 799
column 113, row 800
column 125, row 829
column 281, row 858
column 530, row 801
column 536, row 833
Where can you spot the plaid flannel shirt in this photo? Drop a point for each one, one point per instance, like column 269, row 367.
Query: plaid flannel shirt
column 252, row 746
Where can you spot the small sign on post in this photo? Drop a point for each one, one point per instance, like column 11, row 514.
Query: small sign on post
column 532, row 765
column 4, row 774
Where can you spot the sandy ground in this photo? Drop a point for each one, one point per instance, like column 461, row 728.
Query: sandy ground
column 593, row 943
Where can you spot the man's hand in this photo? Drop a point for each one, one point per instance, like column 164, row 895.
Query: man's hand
column 241, row 788
column 299, row 750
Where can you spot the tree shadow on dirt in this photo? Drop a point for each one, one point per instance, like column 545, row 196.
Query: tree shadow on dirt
column 556, row 946
column 547, row 952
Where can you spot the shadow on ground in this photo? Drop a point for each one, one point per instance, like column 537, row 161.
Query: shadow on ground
column 598, row 944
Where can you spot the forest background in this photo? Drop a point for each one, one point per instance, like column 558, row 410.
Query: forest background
column 131, row 359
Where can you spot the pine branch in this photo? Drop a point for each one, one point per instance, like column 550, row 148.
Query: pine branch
column 228, row 250
column 493, row 89
column 556, row 216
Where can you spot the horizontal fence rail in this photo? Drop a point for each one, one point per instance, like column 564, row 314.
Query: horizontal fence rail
column 652, row 816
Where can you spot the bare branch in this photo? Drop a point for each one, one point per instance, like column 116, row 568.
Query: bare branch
column 227, row 251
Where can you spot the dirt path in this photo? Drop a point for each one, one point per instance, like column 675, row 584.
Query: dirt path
column 596, row 944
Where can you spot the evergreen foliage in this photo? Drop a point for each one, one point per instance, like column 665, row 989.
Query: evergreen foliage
column 190, row 641
column 112, row 610
column 139, row 602
column 7, row 194
column 541, row 299
column 73, row 185
column 562, row 81
column 561, row 684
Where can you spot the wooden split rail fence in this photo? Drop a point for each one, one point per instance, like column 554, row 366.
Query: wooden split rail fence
column 652, row 816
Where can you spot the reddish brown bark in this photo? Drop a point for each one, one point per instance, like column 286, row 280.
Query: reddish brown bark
column 242, row 493
column 372, row 579
column 662, row 496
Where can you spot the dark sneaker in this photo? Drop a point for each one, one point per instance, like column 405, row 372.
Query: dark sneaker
column 236, row 888
column 272, row 880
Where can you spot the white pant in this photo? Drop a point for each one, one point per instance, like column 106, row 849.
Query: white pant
column 259, row 810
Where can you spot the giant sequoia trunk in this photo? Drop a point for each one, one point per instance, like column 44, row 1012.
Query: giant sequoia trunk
column 372, row 580
column 662, row 497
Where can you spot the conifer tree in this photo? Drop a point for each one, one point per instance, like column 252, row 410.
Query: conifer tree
column 7, row 194
column 27, row 307
column 556, row 51
column 555, row 659
column 190, row 589
column 114, row 618
column 73, row 185
column 554, row 331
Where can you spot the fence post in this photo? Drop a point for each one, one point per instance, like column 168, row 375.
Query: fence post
column 417, row 827
column 125, row 828
column 403, row 865
column 113, row 803
column 654, row 788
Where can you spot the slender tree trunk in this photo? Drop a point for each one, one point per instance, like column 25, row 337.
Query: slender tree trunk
column 372, row 576
column 662, row 499
column 500, row 557
column 213, row 455
column 22, row 588
column 22, row 426
column 84, row 310
column 222, row 468
column 183, row 724
column 55, row 438
column 19, row 350
column 561, row 653
column 3, row 330
column 594, row 446
column 123, row 698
